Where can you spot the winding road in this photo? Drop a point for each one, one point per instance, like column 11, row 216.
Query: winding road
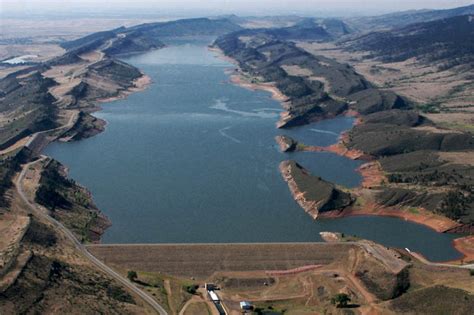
column 78, row 245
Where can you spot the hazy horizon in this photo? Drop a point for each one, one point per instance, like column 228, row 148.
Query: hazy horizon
column 217, row 7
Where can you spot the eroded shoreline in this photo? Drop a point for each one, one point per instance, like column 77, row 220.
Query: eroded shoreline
column 371, row 172
column 139, row 85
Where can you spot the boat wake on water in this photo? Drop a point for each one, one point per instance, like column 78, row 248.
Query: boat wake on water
column 224, row 134
column 325, row 131
column 222, row 105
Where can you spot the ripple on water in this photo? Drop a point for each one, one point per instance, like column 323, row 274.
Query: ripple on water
column 193, row 160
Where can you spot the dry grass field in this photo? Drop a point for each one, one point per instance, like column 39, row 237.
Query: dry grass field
column 46, row 30
column 418, row 82
column 269, row 275
column 42, row 51
column 283, row 278
column 266, row 274
column 12, row 227
column 197, row 308
column 41, row 37
column 452, row 91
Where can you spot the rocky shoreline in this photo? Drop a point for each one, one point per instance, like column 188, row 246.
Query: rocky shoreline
column 286, row 144
column 69, row 202
column 87, row 126
column 312, row 193
column 76, row 97
column 362, row 104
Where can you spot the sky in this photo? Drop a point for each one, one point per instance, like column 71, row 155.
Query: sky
column 215, row 7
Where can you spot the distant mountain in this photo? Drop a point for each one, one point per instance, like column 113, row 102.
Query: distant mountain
column 90, row 39
column 293, row 27
column 305, row 30
column 188, row 27
column 143, row 37
column 404, row 18
column 133, row 42
column 446, row 42
column 119, row 41
column 335, row 27
column 264, row 21
column 332, row 28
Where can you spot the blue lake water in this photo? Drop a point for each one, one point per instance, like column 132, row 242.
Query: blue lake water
column 193, row 159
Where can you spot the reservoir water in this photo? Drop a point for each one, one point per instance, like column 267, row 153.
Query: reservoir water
column 193, row 159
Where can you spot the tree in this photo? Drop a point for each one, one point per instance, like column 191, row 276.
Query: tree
column 340, row 300
column 132, row 275
column 454, row 204
column 191, row 289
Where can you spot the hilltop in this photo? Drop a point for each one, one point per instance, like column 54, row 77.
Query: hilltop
column 400, row 19
column 445, row 43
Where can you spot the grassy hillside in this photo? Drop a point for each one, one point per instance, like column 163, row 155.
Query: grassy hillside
column 446, row 42
column 400, row 19
column 315, row 86
column 27, row 101
column 433, row 300
column 188, row 27
column 70, row 203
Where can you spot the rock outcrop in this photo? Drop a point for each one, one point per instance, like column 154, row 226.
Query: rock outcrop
column 70, row 203
column 286, row 144
column 313, row 194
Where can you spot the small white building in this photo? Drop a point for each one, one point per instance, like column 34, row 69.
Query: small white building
column 214, row 297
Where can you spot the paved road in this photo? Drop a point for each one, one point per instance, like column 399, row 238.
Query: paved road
column 427, row 262
column 78, row 245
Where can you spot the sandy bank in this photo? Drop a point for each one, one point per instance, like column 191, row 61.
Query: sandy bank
column 340, row 148
column 441, row 224
column 242, row 81
column 139, row 85
column 436, row 222
column 465, row 245
column 237, row 77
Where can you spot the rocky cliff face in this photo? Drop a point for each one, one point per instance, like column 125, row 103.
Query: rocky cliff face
column 70, row 203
